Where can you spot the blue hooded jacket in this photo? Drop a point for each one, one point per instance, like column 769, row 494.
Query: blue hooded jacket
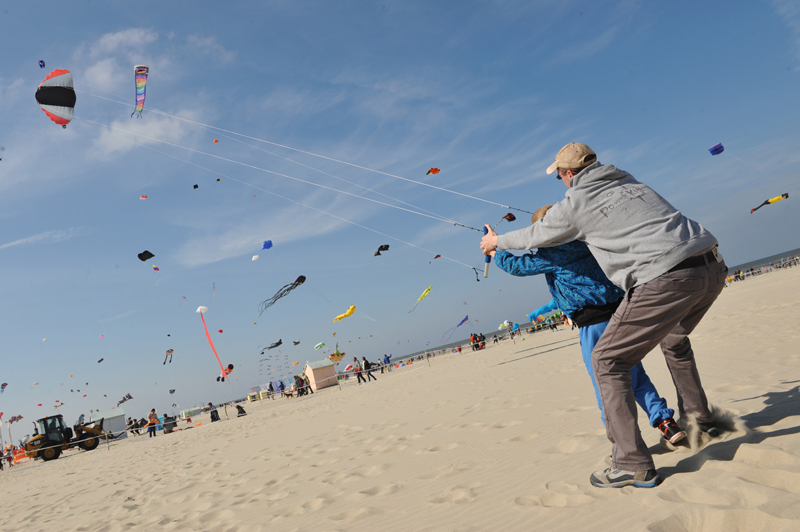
column 573, row 276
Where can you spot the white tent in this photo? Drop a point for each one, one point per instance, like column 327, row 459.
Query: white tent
column 113, row 420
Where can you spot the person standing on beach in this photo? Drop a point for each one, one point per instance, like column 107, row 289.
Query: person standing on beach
column 307, row 382
column 152, row 421
column 671, row 272
column 367, row 365
column 357, row 370
column 583, row 292
column 387, row 361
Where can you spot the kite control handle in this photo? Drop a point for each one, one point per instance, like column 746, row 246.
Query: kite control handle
column 488, row 258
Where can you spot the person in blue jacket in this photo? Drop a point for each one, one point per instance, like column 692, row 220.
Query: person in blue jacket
column 583, row 292
column 387, row 361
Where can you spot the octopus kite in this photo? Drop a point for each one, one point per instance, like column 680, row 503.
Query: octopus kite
column 284, row 291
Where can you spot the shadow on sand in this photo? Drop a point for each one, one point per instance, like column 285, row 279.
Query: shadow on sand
column 778, row 406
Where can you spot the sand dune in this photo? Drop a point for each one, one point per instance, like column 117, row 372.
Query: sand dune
column 501, row 440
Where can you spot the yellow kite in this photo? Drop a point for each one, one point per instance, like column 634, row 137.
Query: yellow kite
column 425, row 293
column 349, row 312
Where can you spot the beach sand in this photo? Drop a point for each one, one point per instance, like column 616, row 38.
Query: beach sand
column 503, row 439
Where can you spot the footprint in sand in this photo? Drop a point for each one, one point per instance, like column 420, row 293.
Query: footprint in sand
column 571, row 445
column 458, row 494
column 524, row 437
column 439, row 448
column 355, row 514
column 443, row 472
column 505, row 424
column 385, row 489
column 559, row 495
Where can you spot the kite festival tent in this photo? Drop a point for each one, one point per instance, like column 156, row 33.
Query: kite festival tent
column 113, row 420
column 321, row 374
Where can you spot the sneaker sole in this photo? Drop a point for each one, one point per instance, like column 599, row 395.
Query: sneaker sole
column 635, row 483
column 678, row 437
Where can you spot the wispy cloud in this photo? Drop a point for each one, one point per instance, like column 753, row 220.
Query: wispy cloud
column 117, row 317
column 58, row 235
column 789, row 11
column 129, row 41
column 589, row 48
column 210, row 47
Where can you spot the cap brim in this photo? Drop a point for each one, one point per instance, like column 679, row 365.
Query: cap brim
column 552, row 168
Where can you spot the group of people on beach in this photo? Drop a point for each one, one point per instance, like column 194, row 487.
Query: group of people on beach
column 632, row 273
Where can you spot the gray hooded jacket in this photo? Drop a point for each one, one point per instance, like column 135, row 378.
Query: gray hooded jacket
column 634, row 233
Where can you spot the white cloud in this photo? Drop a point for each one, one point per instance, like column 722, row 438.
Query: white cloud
column 589, row 48
column 58, row 235
column 154, row 126
column 210, row 47
column 241, row 240
column 105, row 74
column 129, row 41
column 789, row 11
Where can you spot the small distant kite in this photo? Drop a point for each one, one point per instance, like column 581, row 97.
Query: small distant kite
column 255, row 257
column 171, row 392
column 295, row 363
column 220, row 331
column 319, row 345
column 280, row 293
column 716, row 149
column 267, row 244
column 145, row 255
column 433, row 171
column 446, row 337
column 100, row 360
column 56, row 97
column 168, row 356
column 155, row 268
column 349, row 312
column 143, row 196
column 140, row 77
column 3, row 387
column 44, row 339
column 272, row 346
column 296, row 342
column 420, row 298
column 216, row 140
column 771, row 201
column 196, row 186
column 126, row 397
column 383, row 247
column 41, row 64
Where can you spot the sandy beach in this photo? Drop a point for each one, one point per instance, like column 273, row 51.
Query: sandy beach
column 503, row 439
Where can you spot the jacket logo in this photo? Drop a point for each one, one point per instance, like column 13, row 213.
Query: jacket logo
column 625, row 194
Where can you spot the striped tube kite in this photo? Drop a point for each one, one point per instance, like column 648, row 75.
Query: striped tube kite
column 771, row 201
column 56, row 97
column 140, row 73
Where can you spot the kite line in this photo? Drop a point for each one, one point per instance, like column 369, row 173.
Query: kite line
column 314, row 154
column 437, row 218
column 293, row 201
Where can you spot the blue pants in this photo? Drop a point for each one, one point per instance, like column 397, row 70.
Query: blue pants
column 644, row 391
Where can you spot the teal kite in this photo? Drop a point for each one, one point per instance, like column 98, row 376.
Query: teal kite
column 140, row 73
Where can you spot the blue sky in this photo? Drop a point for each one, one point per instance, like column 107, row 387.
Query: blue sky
column 486, row 91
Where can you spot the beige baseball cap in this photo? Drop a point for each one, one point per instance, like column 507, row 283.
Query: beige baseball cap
column 573, row 155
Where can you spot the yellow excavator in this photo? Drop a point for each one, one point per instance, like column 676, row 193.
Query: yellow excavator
column 52, row 437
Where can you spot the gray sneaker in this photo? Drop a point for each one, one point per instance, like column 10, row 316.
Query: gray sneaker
column 618, row 478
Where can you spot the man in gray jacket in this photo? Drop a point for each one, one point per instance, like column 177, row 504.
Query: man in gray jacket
column 672, row 274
